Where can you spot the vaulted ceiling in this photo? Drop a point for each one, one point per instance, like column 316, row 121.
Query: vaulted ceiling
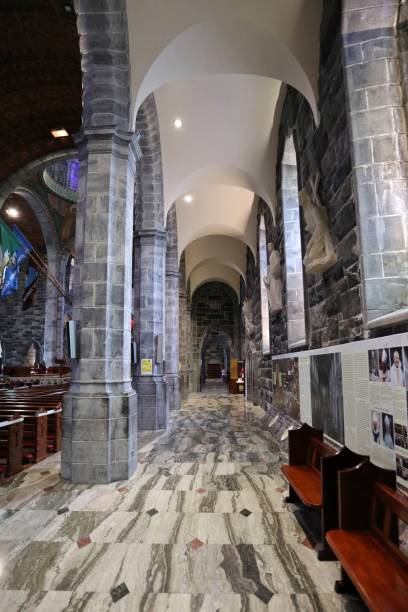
column 40, row 79
column 222, row 67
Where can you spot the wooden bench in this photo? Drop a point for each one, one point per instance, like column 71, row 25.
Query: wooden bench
column 312, row 474
column 11, row 445
column 47, row 399
column 366, row 544
column 34, row 432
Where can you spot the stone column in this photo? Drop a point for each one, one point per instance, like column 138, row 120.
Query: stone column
column 149, row 287
column 99, row 420
column 380, row 151
column 52, row 318
column 172, row 346
column 184, row 383
column 172, row 313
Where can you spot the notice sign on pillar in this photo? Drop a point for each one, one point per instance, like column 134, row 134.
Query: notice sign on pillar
column 146, row 367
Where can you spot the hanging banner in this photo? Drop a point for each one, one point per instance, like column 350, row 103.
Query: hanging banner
column 9, row 255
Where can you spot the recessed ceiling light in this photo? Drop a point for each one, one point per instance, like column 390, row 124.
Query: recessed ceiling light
column 178, row 124
column 60, row 133
column 12, row 212
column 188, row 198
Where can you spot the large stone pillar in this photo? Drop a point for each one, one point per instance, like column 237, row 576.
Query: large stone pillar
column 149, row 287
column 172, row 313
column 380, row 151
column 99, row 420
column 149, row 271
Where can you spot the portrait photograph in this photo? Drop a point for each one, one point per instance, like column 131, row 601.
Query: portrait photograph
column 387, row 422
column 384, row 365
column 376, row 426
column 373, row 365
column 397, row 375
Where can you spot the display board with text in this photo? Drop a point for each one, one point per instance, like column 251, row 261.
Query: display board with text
column 357, row 393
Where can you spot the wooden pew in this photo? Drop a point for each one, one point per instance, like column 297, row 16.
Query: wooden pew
column 34, row 432
column 366, row 544
column 11, row 445
column 312, row 474
column 39, row 399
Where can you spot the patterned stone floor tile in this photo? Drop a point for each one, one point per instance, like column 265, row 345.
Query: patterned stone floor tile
column 200, row 527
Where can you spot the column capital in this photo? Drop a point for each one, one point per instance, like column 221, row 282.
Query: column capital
column 105, row 139
column 172, row 273
column 151, row 233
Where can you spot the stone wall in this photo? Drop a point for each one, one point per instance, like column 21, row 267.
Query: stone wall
column 258, row 364
column 375, row 60
column 214, row 308
column 333, row 300
column 19, row 328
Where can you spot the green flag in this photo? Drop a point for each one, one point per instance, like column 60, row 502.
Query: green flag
column 9, row 268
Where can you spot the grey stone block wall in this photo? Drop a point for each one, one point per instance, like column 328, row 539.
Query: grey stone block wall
column 375, row 65
column 258, row 369
column 214, row 312
column 20, row 328
column 42, row 322
column 333, row 300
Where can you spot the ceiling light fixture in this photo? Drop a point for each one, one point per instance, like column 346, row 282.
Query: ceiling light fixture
column 188, row 198
column 178, row 124
column 12, row 212
column 59, row 133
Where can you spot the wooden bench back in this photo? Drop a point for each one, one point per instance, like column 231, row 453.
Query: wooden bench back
column 316, row 450
column 356, row 487
column 387, row 507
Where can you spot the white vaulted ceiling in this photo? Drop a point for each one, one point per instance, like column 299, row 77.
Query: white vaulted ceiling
column 179, row 39
column 226, row 133
column 221, row 66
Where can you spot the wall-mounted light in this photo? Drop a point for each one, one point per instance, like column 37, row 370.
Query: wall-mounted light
column 178, row 124
column 12, row 212
column 59, row 133
column 188, row 198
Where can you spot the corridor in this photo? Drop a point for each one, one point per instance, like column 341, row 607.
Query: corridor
column 200, row 527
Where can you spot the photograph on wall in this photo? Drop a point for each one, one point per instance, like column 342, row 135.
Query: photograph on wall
column 384, row 365
column 405, row 363
column 401, row 435
column 387, row 423
column 376, row 426
column 402, row 471
column 397, row 375
column 285, row 378
column 327, row 394
column 373, row 369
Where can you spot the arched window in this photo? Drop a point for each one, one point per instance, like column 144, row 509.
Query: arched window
column 293, row 247
column 263, row 265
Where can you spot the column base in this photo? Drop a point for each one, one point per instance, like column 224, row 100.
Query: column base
column 99, row 438
column 152, row 408
column 173, row 391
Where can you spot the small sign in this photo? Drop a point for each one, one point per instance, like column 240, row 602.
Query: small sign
column 146, row 367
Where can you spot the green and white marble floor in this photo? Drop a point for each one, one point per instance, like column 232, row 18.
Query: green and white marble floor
column 201, row 527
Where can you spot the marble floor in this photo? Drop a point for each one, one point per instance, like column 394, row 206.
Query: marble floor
column 201, row 527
